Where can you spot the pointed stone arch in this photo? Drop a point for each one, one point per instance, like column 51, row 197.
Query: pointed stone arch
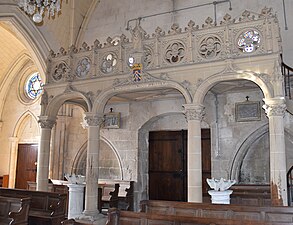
column 14, row 140
column 80, row 159
column 28, row 33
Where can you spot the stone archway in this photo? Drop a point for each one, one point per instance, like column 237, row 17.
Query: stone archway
column 109, row 162
column 25, row 131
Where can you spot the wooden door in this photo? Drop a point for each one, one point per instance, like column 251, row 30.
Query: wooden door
column 167, row 165
column 26, row 169
column 206, row 160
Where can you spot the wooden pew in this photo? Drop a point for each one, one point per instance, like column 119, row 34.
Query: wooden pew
column 108, row 194
column 73, row 222
column 117, row 217
column 256, row 195
column 14, row 211
column 271, row 214
column 45, row 207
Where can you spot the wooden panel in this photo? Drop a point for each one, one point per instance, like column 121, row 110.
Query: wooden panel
column 26, row 169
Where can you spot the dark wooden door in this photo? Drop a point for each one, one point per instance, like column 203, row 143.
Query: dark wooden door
column 206, row 160
column 26, row 169
column 167, row 165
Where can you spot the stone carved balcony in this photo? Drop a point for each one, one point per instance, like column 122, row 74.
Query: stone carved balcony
column 249, row 35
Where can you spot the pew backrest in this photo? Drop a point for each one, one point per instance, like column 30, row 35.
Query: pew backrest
column 14, row 211
column 53, row 204
column 271, row 214
column 117, row 217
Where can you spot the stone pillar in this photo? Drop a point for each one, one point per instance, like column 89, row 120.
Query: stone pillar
column 194, row 115
column 13, row 147
column 46, row 124
column 75, row 202
column 275, row 109
column 92, row 165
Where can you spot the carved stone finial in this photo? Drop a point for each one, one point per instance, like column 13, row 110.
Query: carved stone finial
column 191, row 26
column 138, row 35
column 266, row 12
column 209, row 23
column 175, row 29
column 85, row 46
column 227, row 19
column 159, row 32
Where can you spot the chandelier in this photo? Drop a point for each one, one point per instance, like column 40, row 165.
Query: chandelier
column 36, row 8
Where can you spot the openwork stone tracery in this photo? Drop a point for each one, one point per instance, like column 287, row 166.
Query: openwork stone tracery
column 248, row 34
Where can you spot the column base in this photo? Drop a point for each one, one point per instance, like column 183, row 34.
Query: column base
column 93, row 216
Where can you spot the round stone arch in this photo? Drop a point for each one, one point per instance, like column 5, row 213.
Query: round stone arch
column 103, row 97
column 208, row 83
column 29, row 34
column 55, row 104
column 14, row 140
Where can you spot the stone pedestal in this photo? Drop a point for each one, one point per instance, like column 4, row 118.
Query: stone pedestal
column 75, row 205
column 220, row 197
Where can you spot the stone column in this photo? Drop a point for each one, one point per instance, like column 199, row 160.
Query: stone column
column 92, row 165
column 194, row 115
column 46, row 124
column 275, row 109
column 13, row 147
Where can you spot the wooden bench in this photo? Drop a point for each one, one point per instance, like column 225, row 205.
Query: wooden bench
column 73, row 222
column 272, row 214
column 118, row 195
column 117, row 217
column 14, row 210
column 256, row 195
column 46, row 208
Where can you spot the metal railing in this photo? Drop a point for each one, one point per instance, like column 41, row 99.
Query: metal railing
column 287, row 72
column 290, row 186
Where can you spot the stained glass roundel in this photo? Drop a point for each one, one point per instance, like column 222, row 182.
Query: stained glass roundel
column 249, row 41
column 34, row 86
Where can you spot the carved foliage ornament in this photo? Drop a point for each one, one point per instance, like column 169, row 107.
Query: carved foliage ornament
column 148, row 56
column 46, row 123
column 275, row 109
column 83, row 67
column 94, row 120
column 210, row 47
column 175, row 53
column 249, row 41
column 60, row 71
column 194, row 113
column 109, row 63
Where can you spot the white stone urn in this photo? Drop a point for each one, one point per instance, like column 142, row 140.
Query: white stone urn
column 220, row 194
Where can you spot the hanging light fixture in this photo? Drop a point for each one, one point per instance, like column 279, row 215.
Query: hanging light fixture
column 36, row 8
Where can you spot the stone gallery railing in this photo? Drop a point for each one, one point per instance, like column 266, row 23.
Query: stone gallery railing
column 249, row 35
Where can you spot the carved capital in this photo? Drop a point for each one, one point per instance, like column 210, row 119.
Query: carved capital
column 46, row 122
column 93, row 120
column 275, row 107
column 194, row 112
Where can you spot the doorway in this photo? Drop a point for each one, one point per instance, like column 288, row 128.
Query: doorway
column 26, row 168
column 168, row 164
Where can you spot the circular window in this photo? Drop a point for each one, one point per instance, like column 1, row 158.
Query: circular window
column 249, row 41
column 34, row 86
